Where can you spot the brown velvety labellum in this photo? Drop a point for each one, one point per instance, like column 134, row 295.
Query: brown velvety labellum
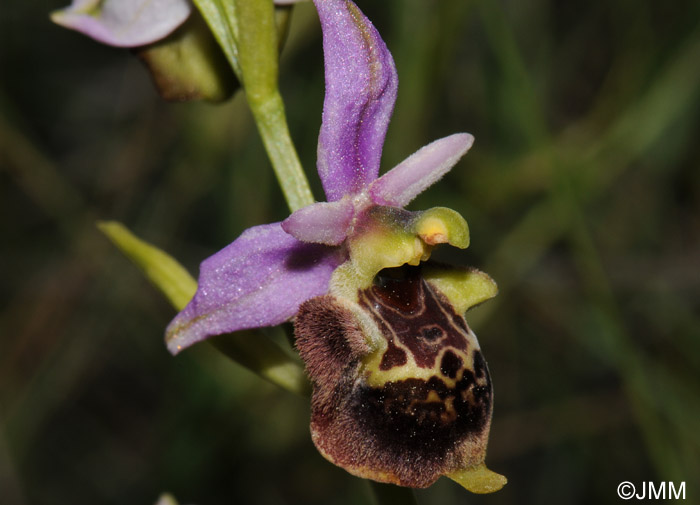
column 419, row 410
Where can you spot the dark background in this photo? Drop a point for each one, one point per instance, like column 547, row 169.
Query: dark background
column 582, row 194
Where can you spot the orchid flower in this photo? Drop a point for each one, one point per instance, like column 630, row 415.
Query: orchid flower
column 401, row 391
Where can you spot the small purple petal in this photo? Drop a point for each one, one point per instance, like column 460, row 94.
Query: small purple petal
column 258, row 280
column 321, row 223
column 124, row 23
column 361, row 85
column 419, row 171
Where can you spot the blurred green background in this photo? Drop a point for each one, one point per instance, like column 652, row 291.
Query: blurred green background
column 582, row 192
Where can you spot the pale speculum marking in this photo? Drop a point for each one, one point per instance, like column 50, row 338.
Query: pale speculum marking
column 443, row 377
column 416, row 321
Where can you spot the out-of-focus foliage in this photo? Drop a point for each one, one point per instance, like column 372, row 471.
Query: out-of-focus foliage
column 583, row 197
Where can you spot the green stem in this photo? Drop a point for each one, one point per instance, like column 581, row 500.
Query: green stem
column 246, row 31
column 268, row 112
column 258, row 52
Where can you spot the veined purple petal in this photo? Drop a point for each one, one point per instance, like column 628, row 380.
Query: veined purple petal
column 419, row 171
column 361, row 85
column 124, row 23
column 321, row 223
column 258, row 280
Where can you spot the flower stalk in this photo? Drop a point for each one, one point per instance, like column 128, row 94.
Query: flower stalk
column 268, row 111
column 246, row 31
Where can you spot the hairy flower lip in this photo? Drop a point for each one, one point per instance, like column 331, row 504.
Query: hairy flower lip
column 406, row 405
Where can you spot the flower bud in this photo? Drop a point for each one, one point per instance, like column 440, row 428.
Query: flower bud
column 188, row 64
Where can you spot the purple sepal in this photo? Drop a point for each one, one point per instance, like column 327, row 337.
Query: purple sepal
column 124, row 23
column 419, row 171
column 361, row 85
column 321, row 223
column 258, row 280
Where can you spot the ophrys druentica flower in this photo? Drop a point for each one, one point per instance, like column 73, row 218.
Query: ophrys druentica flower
column 402, row 393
